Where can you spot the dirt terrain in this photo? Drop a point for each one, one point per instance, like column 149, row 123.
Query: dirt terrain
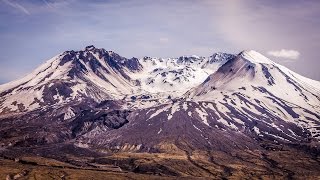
column 284, row 163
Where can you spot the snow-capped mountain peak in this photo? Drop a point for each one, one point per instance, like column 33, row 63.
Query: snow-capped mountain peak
column 255, row 57
column 251, row 78
column 98, row 74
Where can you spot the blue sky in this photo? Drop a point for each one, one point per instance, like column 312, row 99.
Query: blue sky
column 33, row 31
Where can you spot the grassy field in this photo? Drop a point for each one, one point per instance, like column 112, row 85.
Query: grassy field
column 194, row 165
column 53, row 170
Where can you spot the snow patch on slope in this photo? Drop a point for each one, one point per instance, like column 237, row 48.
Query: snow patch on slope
column 203, row 115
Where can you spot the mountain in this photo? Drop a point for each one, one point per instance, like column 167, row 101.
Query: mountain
column 222, row 116
column 90, row 74
column 96, row 74
column 272, row 94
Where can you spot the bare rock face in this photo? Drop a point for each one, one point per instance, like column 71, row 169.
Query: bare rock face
column 216, row 115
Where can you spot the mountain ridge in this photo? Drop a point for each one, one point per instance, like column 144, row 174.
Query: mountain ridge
column 106, row 71
column 96, row 75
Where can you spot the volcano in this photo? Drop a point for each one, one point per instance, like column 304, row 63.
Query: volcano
column 223, row 116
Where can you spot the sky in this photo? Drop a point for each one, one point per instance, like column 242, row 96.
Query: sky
column 33, row 31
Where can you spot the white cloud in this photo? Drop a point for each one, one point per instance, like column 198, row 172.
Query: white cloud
column 164, row 40
column 284, row 53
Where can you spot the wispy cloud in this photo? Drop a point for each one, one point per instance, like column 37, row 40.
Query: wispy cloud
column 284, row 53
column 47, row 3
column 164, row 40
column 16, row 6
